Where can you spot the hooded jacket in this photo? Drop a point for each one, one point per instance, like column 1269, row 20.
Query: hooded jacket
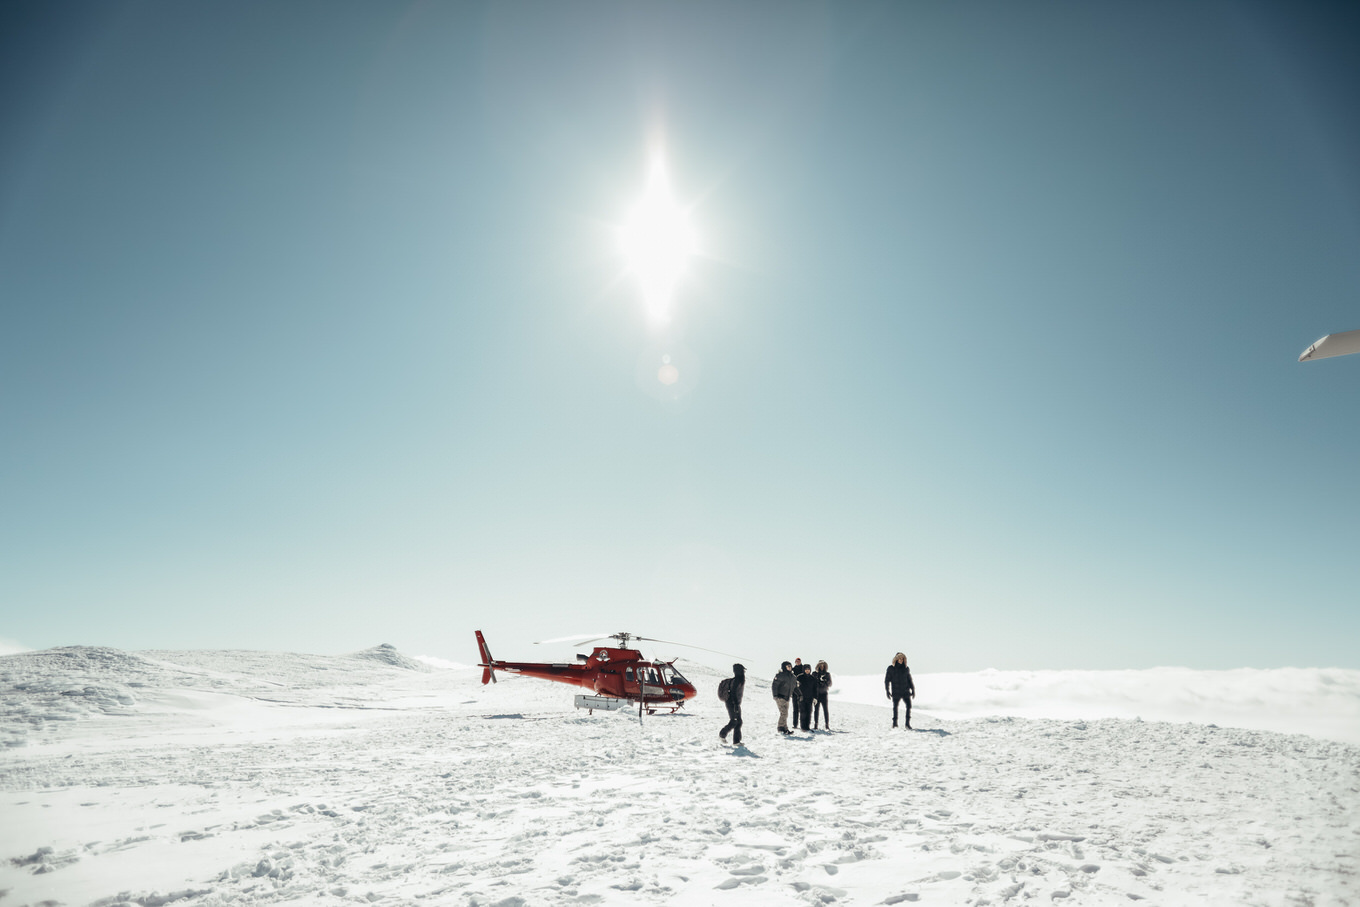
column 807, row 685
column 738, row 687
column 823, row 682
column 784, row 684
column 897, row 681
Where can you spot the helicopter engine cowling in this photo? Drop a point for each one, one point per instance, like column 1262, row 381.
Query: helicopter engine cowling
column 608, row 684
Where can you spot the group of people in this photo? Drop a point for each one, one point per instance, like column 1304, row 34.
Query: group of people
column 802, row 691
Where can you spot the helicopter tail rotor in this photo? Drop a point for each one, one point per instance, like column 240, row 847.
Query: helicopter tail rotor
column 487, row 662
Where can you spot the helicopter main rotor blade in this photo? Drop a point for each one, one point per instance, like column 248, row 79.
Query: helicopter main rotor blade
column 575, row 638
column 1342, row 344
column 668, row 642
column 583, row 638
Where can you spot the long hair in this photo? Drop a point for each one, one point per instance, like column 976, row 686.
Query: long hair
column 899, row 657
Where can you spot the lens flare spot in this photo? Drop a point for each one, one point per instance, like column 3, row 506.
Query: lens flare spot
column 668, row 374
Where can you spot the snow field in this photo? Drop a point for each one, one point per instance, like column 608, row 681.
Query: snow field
column 1323, row 702
column 304, row 779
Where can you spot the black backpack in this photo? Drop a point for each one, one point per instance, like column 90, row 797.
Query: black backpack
column 724, row 687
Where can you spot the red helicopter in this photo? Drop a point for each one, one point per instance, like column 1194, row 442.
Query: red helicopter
column 616, row 675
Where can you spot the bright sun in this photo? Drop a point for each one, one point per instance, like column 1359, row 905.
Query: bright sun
column 658, row 240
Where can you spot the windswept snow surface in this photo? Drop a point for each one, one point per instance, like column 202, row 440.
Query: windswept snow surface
column 206, row 778
column 1324, row 702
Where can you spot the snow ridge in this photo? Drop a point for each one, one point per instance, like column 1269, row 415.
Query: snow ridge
column 387, row 654
column 39, row 690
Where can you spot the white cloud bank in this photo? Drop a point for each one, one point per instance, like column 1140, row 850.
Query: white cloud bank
column 10, row 647
column 1323, row 702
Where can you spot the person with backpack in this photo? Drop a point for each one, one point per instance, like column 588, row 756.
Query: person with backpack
column 898, row 686
column 783, row 686
column 807, row 695
column 823, row 677
column 730, row 691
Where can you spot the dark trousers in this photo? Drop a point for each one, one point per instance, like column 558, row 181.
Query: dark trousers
column 805, row 712
column 733, row 723
column 906, row 701
column 819, row 706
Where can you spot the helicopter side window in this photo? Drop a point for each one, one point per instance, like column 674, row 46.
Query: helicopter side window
column 628, row 673
column 651, row 676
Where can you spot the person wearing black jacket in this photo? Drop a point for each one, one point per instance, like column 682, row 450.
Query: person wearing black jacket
column 807, row 695
column 796, row 703
column 898, row 686
column 734, row 693
column 783, row 686
column 823, row 677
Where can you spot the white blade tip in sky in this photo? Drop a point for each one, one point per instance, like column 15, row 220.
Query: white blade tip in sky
column 1333, row 345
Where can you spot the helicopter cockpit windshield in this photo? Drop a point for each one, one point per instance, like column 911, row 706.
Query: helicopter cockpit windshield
column 670, row 676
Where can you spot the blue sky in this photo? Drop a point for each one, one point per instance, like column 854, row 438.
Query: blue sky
column 314, row 332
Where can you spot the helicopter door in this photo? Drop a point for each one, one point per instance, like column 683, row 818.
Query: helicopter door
column 651, row 682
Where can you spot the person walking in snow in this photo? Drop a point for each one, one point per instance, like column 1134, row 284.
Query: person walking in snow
column 898, row 686
column 782, row 688
column 807, row 695
column 735, row 689
column 823, row 677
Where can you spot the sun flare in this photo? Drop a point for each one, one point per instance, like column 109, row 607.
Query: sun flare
column 657, row 240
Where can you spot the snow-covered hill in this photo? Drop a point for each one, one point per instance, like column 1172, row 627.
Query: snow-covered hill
column 205, row 778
